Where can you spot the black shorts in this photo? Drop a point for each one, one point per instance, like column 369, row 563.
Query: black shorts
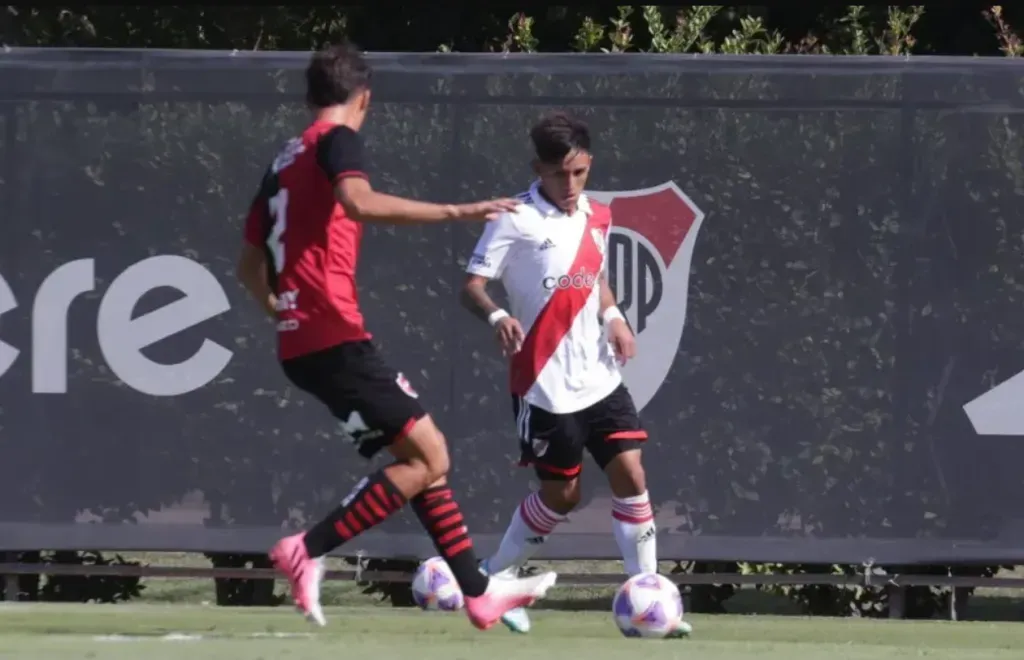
column 554, row 443
column 374, row 403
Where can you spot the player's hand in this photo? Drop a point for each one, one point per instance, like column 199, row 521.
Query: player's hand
column 622, row 340
column 489, row 210
column 510, row 335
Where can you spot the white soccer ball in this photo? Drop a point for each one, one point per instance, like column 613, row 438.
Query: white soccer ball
column 648, row 605
column 434, row 586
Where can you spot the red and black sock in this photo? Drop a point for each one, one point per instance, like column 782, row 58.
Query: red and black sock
column 370, row 503
column 440, row 515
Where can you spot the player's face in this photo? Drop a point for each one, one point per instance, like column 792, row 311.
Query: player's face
column 563, row 183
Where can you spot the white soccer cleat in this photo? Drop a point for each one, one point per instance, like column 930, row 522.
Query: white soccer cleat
column 504, row 595
column 315, row 613
column 517, row 620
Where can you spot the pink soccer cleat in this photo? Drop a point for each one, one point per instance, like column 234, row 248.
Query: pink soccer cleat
column 504, row 595
column 304, row 575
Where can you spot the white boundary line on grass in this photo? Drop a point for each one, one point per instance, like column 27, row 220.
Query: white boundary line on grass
column 191, row 637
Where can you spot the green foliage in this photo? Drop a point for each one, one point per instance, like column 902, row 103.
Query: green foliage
column 689, row 33
column 195, row 26
column 896, row 39
column 520, row 35
column 692, row 32
column 77, row 588
column 752, row 38
column 741, row 29
column 1010, row 43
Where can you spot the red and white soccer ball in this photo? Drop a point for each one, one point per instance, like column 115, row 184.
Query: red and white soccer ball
column 648, row 605
column 434, row 586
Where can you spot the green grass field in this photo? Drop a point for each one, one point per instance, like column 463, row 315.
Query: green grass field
column 174, row 620
column 166, row 632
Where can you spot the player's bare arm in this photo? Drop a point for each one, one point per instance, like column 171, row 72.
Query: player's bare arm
column 607, row 295
column 361, row 202
column 619, row 334
column 340, row 156
column 252, row 273
column 475, row 298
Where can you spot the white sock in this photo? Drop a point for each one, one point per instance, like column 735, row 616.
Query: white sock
column 531, row 524
column 633, row 522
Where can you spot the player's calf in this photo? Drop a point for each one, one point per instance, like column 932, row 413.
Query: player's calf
column 421, row 470
column 632, row 515
column 421, row 460
column 532, row 522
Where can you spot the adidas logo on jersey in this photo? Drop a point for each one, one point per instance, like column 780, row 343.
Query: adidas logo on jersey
column 548, row 243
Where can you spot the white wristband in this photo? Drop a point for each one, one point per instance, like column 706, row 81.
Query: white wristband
column 496, row 316
column 611, row 314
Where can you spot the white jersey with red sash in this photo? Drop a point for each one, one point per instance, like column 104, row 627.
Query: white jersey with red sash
column 550, row 264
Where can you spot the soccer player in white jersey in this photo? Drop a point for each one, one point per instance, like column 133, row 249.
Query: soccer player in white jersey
column 564, row 337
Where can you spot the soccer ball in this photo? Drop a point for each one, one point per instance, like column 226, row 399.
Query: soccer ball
column 648, row 605
column 434, row 586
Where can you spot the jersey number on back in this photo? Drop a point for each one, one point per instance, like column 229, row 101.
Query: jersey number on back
column 279, row 202
column 279, row 212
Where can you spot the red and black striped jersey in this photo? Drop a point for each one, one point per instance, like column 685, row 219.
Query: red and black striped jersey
column 313, row 246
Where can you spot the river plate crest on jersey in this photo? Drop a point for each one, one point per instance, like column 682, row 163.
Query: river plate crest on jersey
column 654, row 231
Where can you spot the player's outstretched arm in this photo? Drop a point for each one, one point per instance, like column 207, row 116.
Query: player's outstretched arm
column 363, row 203
column 340, row 155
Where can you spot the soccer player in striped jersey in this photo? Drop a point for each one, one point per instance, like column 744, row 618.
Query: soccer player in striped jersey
column 299, row 260
column 564, row 337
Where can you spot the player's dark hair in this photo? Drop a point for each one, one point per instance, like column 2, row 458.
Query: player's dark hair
column 335, row 74
column 558, row 134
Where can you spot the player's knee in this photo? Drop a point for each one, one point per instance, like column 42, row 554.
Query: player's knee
column 562, row 497
column 430, row 470
column 626, row 474
column 438, row 465
column 436, row 462
column 425, row 449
